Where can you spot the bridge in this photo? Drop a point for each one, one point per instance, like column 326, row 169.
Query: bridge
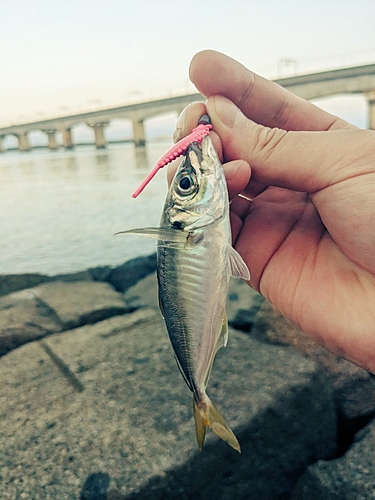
column 353, row 80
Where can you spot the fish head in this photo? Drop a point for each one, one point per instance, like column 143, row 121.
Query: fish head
column 198, row 193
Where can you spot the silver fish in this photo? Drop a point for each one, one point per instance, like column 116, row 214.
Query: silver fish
column 195, row 262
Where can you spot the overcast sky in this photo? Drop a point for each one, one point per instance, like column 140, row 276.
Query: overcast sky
column 65, row 56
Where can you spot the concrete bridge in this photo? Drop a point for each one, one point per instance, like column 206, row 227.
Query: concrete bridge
column 354, row 80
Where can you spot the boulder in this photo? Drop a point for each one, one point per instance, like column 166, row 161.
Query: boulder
column 351, row 477
column 354, row 387
column 127, row 275
column 144, row 293
column 126, row 430
column 82, row 302
column 52, row 307
column 23, row 318
column 13, row 282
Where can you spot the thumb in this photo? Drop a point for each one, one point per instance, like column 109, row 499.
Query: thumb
column 302, row 161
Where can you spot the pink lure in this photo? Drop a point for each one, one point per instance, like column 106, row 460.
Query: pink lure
column 174, row 152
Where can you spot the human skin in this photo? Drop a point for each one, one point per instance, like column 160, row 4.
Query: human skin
column 305, row 220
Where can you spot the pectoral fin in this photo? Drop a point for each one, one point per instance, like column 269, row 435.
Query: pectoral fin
column 238, row 268
column 159, row 233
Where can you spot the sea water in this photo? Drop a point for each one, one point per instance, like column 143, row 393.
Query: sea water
column 59, row 210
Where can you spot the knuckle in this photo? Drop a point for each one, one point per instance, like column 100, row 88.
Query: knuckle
column 266, row 140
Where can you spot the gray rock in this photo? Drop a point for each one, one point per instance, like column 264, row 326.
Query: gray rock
column 99, row 273
column 36, row 312
column 127, row 275
column 130, row 434
column 82, row 302
column 243, row 305
column 144, row 293
column 351, row 477
column 10, row 283
column 23, row 318
column 354, row 388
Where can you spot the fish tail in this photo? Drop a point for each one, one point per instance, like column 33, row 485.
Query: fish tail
column 206, row 415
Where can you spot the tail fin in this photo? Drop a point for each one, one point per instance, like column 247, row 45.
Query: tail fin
column 206, row 415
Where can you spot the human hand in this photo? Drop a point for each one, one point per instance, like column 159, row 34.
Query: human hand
column 305, row 222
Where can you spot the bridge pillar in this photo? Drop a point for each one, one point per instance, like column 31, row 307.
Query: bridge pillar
column 67, row 138
column 51, row 134
column 371, row 115
column 100, row 140
column 139, row 135
column 23, row 142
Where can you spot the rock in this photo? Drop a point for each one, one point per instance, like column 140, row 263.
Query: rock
column 130, row 433
column 79, row 303
column 127, row 275
column 354, row 388
column 36, row 312
column 351, row 477
column 100, row 273
column 23, row 318
column 121, row 277
column 13, row 282
column 144, row 293
column 243, row 305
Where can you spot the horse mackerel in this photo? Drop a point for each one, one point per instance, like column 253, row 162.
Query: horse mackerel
column 195, row 262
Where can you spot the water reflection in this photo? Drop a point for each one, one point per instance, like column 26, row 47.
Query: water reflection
column 141, row 157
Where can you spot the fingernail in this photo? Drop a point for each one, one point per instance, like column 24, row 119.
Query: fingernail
column 180, row 126
column 226, row 111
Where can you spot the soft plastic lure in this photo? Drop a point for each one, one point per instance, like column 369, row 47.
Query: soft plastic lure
column 197, row 135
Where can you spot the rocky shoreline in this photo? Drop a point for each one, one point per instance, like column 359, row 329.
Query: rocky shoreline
column 93, row 407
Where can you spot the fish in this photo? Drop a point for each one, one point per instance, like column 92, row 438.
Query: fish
column 195, row 260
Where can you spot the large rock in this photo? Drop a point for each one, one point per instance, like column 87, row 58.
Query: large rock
column 23, row 318
column 127, row 275
column 351, row 477
column 144, row 293
column 354, row 388
column 13, row 282
column 36, row 312
column 243, row 305
column 102, row 410
column 82, row 302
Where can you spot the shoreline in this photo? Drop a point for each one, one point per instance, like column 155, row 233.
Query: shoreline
column 120, row 277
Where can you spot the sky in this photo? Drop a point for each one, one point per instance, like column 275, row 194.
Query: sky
column 60, row 57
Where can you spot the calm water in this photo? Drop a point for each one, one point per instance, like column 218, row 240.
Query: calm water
column 59, row 210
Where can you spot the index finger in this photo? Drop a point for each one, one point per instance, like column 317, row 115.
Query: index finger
column 259, row 99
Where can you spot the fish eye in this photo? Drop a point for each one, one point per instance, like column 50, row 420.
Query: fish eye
column 186, row 184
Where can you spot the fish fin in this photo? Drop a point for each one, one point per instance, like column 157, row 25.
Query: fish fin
column 159, row 233
column 238, row 268
column 206, row 415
